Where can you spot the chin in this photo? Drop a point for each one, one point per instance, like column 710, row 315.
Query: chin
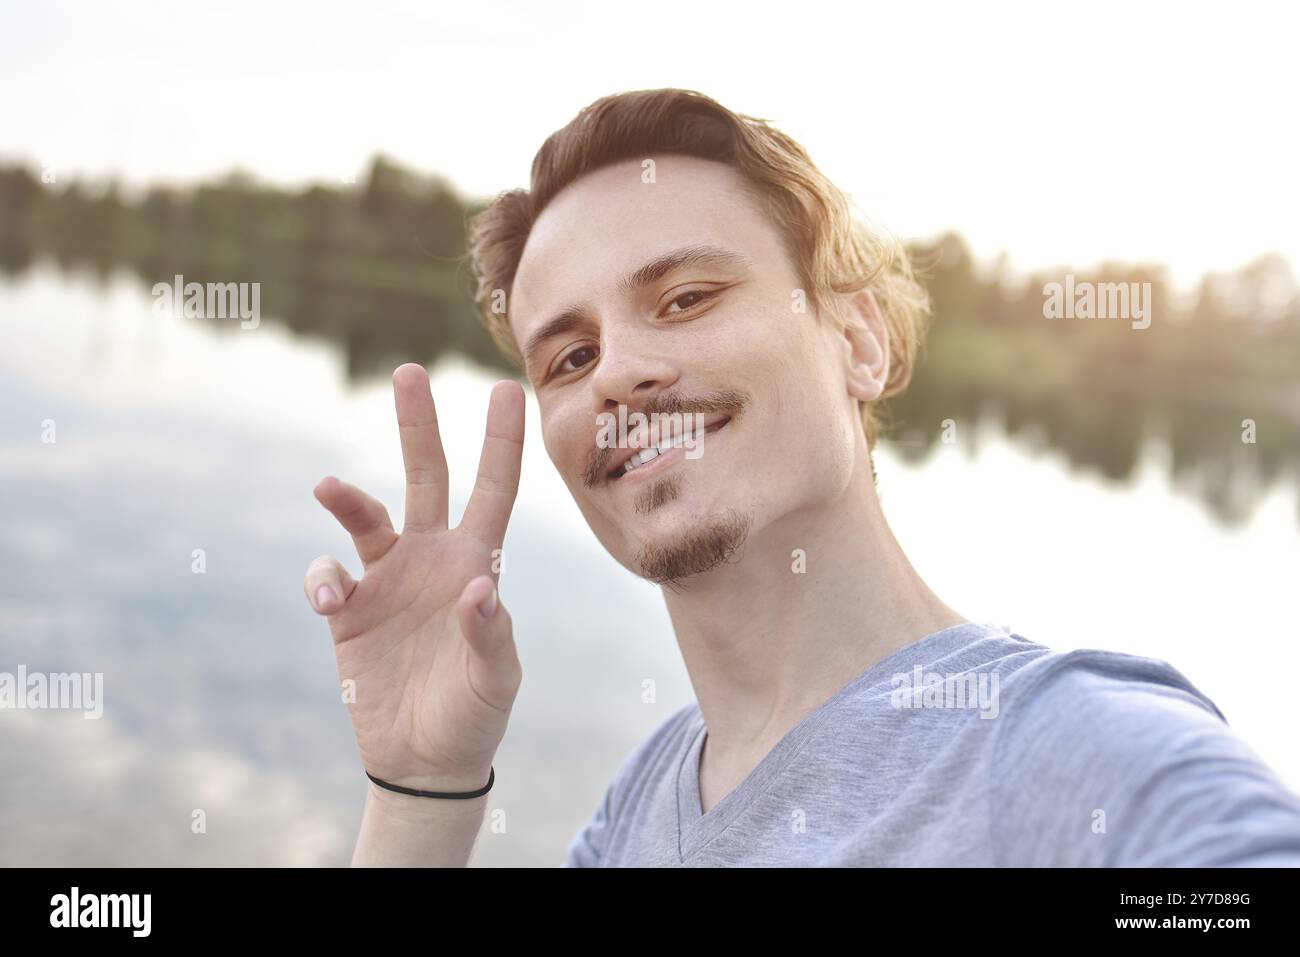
column 680, row 543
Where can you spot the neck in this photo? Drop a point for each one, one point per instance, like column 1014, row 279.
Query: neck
column 766, row 644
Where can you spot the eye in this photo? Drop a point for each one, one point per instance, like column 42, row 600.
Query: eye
column 700, row 295
column 584, row 355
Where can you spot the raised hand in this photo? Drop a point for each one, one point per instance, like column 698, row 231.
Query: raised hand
column 423, row 636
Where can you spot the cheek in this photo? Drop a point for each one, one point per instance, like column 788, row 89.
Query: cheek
column 561, row 435
column 789, row 362
column 569, row 435
column 800, row 391
column 565, row 447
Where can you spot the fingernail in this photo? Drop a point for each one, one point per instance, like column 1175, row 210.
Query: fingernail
column 324, row 595
column 488, row 606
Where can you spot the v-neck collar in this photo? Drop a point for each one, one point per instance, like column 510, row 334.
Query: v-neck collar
column 696, row 829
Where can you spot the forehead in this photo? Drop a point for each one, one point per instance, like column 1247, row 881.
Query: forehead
column 605, row 225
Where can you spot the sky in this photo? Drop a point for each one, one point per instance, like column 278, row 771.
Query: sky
column 1060, row 135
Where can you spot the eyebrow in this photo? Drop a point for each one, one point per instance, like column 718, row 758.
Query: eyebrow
column 651, row 272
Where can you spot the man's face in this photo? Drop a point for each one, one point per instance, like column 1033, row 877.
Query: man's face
column 726, row 339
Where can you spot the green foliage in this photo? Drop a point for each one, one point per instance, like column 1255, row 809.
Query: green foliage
column 378, row 269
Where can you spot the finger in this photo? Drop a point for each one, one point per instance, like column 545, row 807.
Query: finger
column 488, row 511
column 493, row 663
column 327, row 585
column 426, row 465
column 364, row 517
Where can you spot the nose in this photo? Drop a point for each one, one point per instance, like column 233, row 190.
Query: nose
column 631, row 370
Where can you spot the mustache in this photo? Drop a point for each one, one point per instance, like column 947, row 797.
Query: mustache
column 728, row 402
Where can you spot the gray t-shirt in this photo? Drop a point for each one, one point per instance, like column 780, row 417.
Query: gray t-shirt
column 970, row 747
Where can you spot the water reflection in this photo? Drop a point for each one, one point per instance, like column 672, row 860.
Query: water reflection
column 376, row 270
column 220, row 689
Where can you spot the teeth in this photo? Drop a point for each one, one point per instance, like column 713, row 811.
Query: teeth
column 646, row 455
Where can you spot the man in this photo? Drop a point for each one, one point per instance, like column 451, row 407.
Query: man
column 681, row 263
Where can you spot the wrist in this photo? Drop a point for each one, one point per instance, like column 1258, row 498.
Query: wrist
column 408, row 807
column 400, row 830
column 457, row 783
column 442, row 787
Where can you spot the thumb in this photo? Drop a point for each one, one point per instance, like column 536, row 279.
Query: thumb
column 484, row 623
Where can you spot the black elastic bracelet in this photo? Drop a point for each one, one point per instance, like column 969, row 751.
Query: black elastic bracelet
column 452, row 795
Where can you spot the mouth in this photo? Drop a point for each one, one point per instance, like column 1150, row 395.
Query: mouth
column 634, row 463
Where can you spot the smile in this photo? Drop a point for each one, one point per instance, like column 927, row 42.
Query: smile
column 669, row 450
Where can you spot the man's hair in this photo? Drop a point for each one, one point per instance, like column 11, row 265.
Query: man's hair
column 832, row 250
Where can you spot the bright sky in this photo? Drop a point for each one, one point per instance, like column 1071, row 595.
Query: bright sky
column 1062, row 135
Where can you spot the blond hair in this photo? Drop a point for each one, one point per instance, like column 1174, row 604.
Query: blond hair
column 833, row 252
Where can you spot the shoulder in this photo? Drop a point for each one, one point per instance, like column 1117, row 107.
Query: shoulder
column 587, row 847
column 1129, row 763
column 657, row 752
column 1066, row 714
column 1107, row 685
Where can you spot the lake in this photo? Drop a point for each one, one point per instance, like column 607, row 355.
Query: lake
column 183, row 444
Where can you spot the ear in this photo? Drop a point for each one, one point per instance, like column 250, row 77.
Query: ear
column 866, row 341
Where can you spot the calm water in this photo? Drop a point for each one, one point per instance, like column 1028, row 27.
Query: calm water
column 220, row 688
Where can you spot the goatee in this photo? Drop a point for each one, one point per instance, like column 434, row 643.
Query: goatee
column 699, row 550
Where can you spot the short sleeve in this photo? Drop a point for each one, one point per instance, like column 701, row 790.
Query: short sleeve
column 1116, row 760
column 590, row 847
column 587, row 847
